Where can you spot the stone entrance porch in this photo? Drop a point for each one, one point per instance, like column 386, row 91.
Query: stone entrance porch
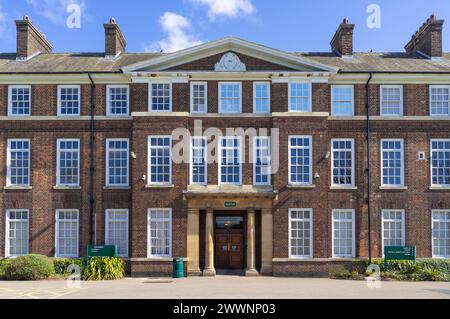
column 252, row 200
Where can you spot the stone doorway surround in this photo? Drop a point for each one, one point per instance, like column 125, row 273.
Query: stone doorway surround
column 248, row 198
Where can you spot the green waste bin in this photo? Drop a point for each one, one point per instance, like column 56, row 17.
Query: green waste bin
column 178, row 268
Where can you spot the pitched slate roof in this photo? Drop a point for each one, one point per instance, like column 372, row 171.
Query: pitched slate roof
column 96, row 62
column 382, row 62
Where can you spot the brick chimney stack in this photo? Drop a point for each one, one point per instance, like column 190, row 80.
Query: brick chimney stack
column 30, row 41
column 428, row 39
column 114, row 40
column 342, row 42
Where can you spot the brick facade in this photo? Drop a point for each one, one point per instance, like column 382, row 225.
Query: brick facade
column 44, row 127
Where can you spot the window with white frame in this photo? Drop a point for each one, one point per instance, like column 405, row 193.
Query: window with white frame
column 393, row 228
column 160, row 160
column 67, row 231
column 116, row 230
column 117, row 162
column 159, row 232
column 160, row 97
column 392, row 162
column 199, row 160
column 391, row 100
column 230, row 161
column 17, row 236
column 342, row 100
column 342, row 159
column 343, row 233
column 118, row 100
column 230, row 99
column 19, row 100
column 300, row 233
column 300, row 160
column 261, row 158
column 68, row 100
column 199, row 97
column 68, row 162
column 441, row 233
column 18, row 162
column 440, row 162
column 300, row 97
column 439, row 100
column 261, row 97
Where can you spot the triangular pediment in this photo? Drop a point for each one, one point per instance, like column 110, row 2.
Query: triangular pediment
column 229, row 54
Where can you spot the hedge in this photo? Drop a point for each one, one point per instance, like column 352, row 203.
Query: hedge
column 29, row 267
column 420, row 270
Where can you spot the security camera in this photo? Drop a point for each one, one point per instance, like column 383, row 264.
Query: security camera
column 327, row 155
column 316, row 176
column 143, row 178
column 133, row 155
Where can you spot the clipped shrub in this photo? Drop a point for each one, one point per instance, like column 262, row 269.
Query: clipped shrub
column 3, row 264
column 29, row 267
column 345, row 274
column 61, row 265
column 104, row 268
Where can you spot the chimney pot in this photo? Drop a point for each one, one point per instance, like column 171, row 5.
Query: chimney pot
column 30, row 41
column 428, row 39
column 342, row 41
column 115, row 42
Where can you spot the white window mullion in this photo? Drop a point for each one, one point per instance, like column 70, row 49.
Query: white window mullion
column 392, row 228
column 300, row 160
column 198, row 161
column 159, row 160
column 199, row 97
column 343, row 162
column 230, row 160
column 117, row 162
column 116, row 230
column 343, row 233
column 261, row 97
column 68, row 162
column 69, row 100
column 159, row 233
column 440, row 233
column 117, row 100
column 19, row 100
column 67, row 233
column 262, row 160
column 392, row 162
column 300, row 96
column 160, row 97
column 17, row 232
column 301, row 233
column 342, row 100
column 230, row 97
column 18, row 163
column 391, row 100
column 440, row 162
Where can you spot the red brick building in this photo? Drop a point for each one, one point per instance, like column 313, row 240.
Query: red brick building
column 230, row 154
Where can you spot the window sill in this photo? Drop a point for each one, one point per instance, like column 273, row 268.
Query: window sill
column 439, row 188
column 66, row 187
column 345, row 188
column 306, row 186
column 393, row 188
column 18, row 188
column 160, row 186
column 116, row 187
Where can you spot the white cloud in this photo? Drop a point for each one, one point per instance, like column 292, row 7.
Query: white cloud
column 227, row 8
column 55, row 10
column 179, row 34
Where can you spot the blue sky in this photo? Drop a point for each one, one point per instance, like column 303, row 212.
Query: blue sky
column 292, row 25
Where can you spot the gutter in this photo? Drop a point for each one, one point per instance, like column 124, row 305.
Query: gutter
column 92, row 162
column 368, row 167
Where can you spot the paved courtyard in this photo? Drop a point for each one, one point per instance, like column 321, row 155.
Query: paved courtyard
column 223, row 287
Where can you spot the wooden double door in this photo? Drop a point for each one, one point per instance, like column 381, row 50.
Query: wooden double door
column 229, row 248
